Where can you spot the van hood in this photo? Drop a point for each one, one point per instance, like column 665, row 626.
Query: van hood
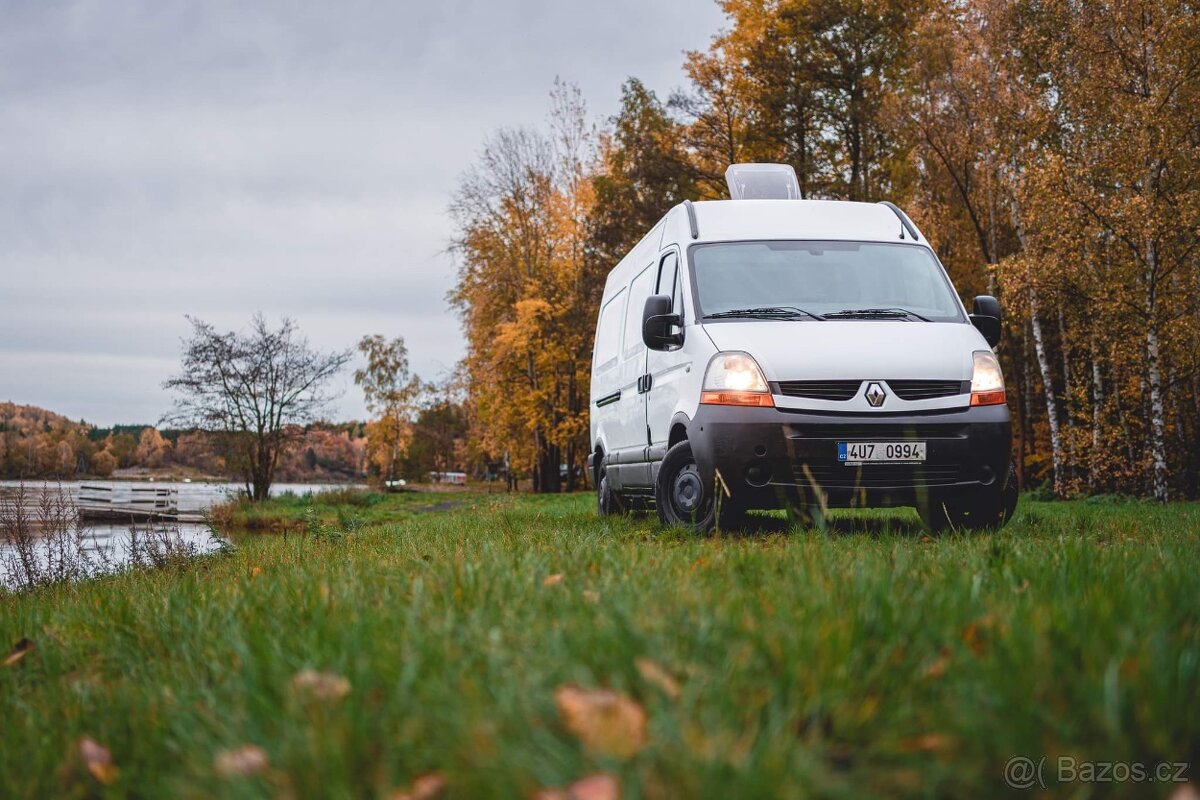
column 853, row 349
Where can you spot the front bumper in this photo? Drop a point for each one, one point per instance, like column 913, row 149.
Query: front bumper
column 770, row 457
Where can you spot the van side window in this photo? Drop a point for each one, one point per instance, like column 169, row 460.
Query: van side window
column 668, row 279
column 639, row 290
column 608, row 332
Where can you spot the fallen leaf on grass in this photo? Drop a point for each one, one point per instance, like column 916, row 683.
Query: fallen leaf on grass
column 19, row 651
column 974, row 635
column 591, row 597
column 98, row 760
column 600, row 786
column 927, row 743
column 255, row 571
column 324, row 686
column 654, row 674
column 553, row 580
column 426, row 787
column 937, row 668
column 605, row 721
column 249, row 759
column 1187, row 791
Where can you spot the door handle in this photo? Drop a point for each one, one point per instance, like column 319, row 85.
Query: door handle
column 644, row 383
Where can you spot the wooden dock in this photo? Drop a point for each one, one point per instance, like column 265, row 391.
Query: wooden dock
column 125, row 503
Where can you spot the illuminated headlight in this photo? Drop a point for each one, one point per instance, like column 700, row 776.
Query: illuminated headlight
column 987, row 381
column 734, row 379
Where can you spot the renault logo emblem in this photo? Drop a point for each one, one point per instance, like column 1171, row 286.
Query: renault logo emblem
column 875, row 395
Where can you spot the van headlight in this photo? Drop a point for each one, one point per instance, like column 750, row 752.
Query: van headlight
column 735, row 379
column 987, row 381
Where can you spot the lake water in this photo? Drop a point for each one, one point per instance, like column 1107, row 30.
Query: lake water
column 111, row 543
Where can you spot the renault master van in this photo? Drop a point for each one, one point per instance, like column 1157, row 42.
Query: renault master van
column 770, row 352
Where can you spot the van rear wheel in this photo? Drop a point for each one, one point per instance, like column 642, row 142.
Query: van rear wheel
column 679, row 493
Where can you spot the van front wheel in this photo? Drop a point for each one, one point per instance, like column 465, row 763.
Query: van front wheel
column 679, row 493
column 607, row 501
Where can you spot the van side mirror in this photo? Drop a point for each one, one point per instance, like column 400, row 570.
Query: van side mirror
column 658, row 323
column 986, row 317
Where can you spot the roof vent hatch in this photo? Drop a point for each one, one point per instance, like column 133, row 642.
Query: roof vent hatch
column 762, row 182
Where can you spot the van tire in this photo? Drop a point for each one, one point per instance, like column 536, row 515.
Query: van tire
column 608, row 502
column 987, row 509
column 679, row 493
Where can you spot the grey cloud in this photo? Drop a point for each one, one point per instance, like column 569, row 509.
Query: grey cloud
column 163, row 158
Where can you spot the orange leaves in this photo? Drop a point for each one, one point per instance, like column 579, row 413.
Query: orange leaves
column 98, row 760
column 426, row 787
column 975, row 634
column 527, row 289
column 240, row 762
column 653, row 674
column 552, row 580
column 600, row 786
column 19, row 651
column 1187, row 791
column 325, row 687
column 605, row 721
column 927, row 743
column 937, row 668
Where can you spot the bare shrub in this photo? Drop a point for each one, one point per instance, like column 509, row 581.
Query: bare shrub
column 45, row 540
column 157, row 546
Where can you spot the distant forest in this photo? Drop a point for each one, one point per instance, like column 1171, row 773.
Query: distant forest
column 40, row 444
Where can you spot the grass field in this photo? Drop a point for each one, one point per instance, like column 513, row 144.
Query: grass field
column 868, row 661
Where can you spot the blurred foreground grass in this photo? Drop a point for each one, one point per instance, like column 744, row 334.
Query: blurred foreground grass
column 869, row 661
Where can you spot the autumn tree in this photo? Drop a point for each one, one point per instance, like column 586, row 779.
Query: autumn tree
column 644, row 171
column 1061, row 137
column 392, row 394
column 103, row 464
column 253, row 391
column 440, row 432
column 526, row 290
column 1122, row 82
column 805, row 82
column 152, row 448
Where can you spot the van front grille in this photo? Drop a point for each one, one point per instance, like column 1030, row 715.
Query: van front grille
column 876, row 476
column 879, row 432
column 927, row 390
column 844, row 390
column 820, row 390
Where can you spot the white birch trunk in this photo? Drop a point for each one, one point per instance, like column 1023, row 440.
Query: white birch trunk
column 1097, row 415
column 1158, row 447
column 1048, row 387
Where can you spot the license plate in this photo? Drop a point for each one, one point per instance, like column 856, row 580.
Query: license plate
column 854, row 453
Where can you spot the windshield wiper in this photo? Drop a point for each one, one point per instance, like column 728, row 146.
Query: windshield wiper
column 867, row 313
column 766, row 312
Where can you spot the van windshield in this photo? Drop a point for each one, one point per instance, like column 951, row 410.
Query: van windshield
column 839, row 280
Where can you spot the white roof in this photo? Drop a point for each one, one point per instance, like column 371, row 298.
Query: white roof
column 725, row 220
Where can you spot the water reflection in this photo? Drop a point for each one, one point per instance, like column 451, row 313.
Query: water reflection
column 71, row 548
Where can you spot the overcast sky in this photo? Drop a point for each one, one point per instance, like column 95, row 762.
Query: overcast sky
column 164, row 158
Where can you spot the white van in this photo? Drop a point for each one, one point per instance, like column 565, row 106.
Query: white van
column 771, row 352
